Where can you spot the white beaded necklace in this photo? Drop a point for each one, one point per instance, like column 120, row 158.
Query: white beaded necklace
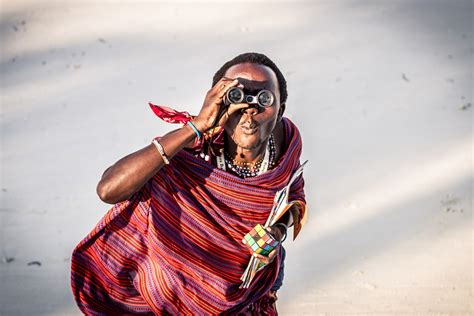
column 257, row 169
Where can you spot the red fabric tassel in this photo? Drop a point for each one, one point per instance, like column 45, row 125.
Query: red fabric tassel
column 212, row 141
column 170, row 115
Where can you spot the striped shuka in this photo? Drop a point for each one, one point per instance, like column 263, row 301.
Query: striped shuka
column 175, row 247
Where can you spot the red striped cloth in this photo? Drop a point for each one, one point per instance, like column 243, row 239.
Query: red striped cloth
column 175, row 247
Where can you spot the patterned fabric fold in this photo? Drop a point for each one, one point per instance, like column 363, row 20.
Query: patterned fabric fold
column 175, row 246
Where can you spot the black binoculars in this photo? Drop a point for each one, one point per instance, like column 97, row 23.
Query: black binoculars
column 264, row 98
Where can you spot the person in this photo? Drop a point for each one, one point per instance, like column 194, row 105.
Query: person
column 173, row 241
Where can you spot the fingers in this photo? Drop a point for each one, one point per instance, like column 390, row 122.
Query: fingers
column 261, row 258
column 271, row 255
column 236, row 107
column 226, row 112
column 264, row 259
column 276, row 233
column 231, row 109
column 225, row 84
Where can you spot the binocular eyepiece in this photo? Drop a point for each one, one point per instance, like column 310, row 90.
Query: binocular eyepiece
column 264, row 98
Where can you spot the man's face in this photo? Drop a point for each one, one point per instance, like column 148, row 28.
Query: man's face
column 251, row 127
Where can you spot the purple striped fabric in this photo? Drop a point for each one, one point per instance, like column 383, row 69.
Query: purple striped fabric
column 176, row 247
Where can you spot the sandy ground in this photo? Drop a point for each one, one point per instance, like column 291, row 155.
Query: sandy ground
column 382, row 93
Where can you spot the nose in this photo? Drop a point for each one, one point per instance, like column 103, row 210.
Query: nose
column 251, row 110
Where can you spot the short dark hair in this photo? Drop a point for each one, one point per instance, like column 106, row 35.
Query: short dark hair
column 254, row 58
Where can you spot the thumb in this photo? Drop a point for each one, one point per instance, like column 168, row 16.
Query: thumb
column 236, row 107
column 231, row 109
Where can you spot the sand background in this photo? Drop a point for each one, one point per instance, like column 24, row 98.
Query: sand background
column 382, row 94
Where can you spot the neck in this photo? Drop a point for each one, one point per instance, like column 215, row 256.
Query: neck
column 245, row 155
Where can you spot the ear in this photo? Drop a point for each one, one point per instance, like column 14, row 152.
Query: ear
column 281, row 111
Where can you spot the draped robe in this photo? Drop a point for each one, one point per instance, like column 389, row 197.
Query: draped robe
column 175, row 247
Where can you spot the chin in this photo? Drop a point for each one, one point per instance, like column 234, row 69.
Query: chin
column 248, row 141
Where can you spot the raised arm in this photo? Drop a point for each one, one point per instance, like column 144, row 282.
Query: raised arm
column 121, row 180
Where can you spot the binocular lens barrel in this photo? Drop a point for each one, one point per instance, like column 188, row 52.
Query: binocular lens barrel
column 236, row 95
column 264, row 98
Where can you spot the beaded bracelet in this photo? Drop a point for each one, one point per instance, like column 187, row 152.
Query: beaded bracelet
column 161, row 151
column 286, row 230
column 194, row 129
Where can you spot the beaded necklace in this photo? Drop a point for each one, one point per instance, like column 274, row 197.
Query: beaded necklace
column 245, row 169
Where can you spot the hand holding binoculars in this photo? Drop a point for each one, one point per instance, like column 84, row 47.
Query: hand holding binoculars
column 236, row 95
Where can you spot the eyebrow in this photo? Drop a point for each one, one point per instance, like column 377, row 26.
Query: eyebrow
column 253, row 89
column 252, row 86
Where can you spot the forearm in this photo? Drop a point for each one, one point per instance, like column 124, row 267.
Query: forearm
column 128, row 175
column 287, row 220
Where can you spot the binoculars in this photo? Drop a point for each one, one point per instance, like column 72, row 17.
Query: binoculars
column 264, row 98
